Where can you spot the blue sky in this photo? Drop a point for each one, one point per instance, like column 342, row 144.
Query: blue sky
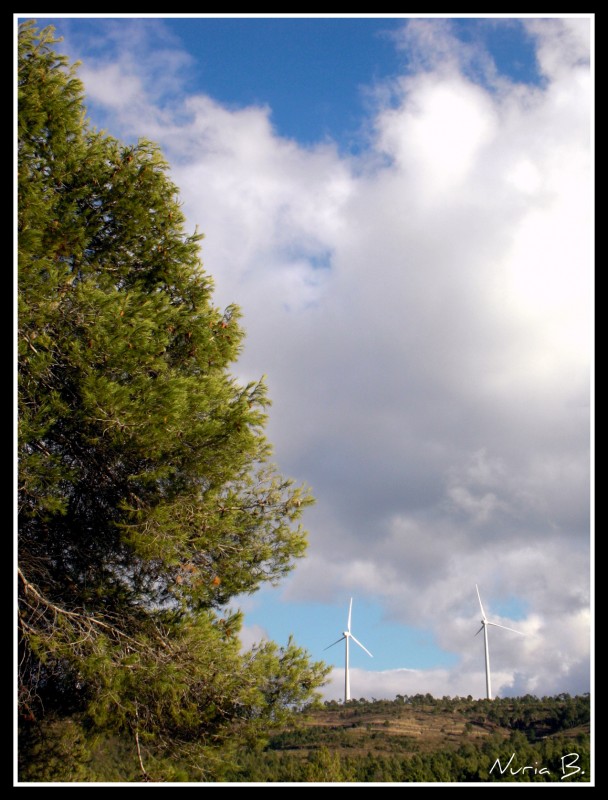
column 402, row 207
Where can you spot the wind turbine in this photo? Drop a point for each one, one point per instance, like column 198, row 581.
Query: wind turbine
column 347, row 635
column 484, row 627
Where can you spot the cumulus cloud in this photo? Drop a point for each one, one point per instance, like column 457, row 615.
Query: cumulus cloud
column 421, row 312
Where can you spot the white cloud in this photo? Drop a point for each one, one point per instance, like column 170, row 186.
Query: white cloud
column 422, row 314
column 436, row 134
column 110, row 87
column 563, row 46
column 251, row 635
column 438, row 682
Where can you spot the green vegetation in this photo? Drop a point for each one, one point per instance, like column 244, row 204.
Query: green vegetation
column 423, row 739
column 146, row 497
column 426, row 740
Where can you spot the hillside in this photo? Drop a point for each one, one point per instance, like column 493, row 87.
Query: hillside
column 423, row 739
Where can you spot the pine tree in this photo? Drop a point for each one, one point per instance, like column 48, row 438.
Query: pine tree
column 146, row 496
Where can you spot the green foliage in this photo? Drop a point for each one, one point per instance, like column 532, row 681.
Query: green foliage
column 54, row 751
column 353, row 744
column 146, row 496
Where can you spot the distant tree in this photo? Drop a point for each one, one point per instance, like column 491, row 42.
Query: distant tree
column 325, row 766
column 146, row 497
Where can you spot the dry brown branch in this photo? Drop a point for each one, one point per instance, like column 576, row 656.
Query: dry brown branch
column 39, row 606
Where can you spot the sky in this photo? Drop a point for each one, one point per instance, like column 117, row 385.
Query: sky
column 403, row 209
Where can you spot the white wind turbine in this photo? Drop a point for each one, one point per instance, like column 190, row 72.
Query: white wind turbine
column 484, row 627
column 347, row 635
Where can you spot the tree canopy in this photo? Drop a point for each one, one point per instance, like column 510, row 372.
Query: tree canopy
column 147, row 499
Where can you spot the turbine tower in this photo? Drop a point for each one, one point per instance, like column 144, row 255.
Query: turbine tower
column 347, row 635
column 484, row 627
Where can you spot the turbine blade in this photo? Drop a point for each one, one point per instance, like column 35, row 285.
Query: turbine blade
column 496, row 625
column 479, row 631
column 333, row 643
column 356, row 641
column 483, row 613
column 350, row 611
